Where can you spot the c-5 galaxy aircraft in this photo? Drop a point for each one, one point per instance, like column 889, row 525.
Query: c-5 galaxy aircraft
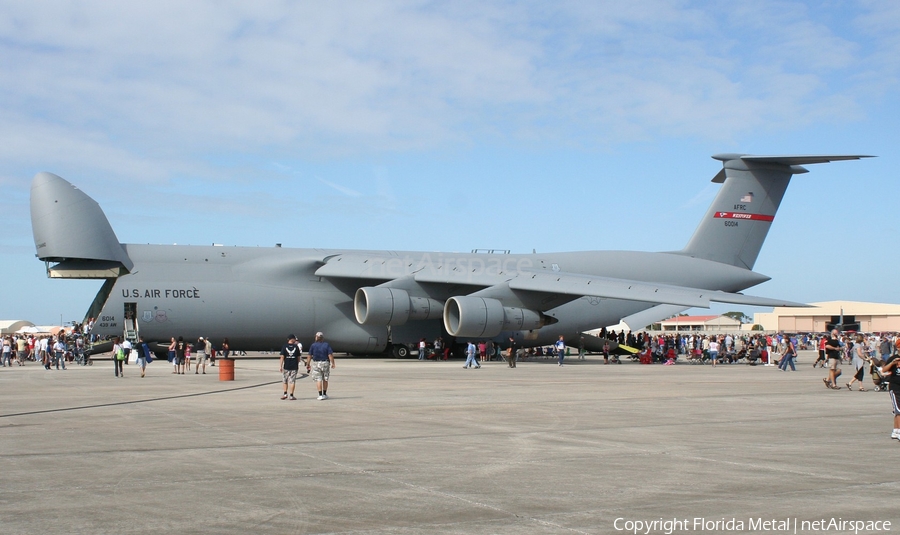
column 370, row 302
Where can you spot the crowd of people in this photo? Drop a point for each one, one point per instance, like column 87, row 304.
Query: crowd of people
column 862, row 351
column 876, row 354
column 866, row 353
column 52, row 351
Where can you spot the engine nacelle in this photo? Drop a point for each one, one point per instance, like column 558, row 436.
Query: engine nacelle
column 479, row 317
column 392, row 306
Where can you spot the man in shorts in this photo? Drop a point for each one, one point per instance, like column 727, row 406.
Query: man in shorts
column 892, row 371
column 833, row 352
column 322, row 357
column 290, row 363
column 180, row 356
column 21, row 350
column 200, row 351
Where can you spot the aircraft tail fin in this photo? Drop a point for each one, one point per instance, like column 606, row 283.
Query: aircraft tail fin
column 71, row 229
column 736, row 224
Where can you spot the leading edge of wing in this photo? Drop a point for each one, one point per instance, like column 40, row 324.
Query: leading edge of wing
column 611, row 288
column 574, row 284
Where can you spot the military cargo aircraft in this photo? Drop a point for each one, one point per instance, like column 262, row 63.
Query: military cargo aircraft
column 373, row 302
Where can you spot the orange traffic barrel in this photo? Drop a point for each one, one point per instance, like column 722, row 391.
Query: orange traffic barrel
column 226, row 369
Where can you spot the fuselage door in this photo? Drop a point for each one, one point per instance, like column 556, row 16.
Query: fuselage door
column 131, row 325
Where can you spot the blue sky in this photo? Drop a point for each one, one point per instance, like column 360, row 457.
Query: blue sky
column 448, row 126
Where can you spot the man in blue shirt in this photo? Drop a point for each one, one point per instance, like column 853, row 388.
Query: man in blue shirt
column 322, row 357
column 561, row 349
column 470, row 356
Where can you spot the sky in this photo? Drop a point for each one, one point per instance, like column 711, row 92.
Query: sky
column 451, row 126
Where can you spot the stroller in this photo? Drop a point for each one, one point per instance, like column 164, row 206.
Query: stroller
column 694, row 356
column 878, row 378
column 752, row 356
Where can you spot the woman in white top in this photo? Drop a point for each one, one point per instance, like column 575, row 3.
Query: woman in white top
column 172, row 356
column 714, row 351
column 7, row 350
column 860, row 358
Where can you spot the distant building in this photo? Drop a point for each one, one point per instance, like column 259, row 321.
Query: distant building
column 11, row 326
column 822, row 317
column 701, row 323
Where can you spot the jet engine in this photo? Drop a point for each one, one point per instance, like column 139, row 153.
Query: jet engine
column 477, row 317
column 392, row 306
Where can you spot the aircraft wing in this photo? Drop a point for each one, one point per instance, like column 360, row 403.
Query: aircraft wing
column 576, row 284
column 562, row 284
column 652, row 315
column 385, row 268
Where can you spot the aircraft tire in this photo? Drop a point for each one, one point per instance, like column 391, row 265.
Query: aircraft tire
column 401, row 351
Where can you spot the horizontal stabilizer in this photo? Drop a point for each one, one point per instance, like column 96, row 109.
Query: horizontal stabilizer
column 69, row 225
column 790, row 159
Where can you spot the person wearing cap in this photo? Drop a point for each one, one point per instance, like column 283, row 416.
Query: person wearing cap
column 322, row 357
column 200, row 350
column 143, row 355
column 290, row 363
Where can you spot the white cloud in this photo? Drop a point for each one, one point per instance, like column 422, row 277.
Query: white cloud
column 147, row 90
column 341, row 189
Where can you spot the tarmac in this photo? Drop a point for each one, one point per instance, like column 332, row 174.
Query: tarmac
column 411, row 447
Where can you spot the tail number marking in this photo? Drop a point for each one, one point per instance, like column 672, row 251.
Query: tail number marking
column 744, row 215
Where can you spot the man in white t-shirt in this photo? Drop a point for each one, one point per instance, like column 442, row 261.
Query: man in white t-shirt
column 59, row 352
column 42, row 348
column 126, row 347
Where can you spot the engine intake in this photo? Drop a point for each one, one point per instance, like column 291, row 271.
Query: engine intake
column 392, row 306
column 476, row 317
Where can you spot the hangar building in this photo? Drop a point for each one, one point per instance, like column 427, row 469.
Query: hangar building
column 821, row 317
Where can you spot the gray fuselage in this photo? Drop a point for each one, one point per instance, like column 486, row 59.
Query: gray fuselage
column 257, row 296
